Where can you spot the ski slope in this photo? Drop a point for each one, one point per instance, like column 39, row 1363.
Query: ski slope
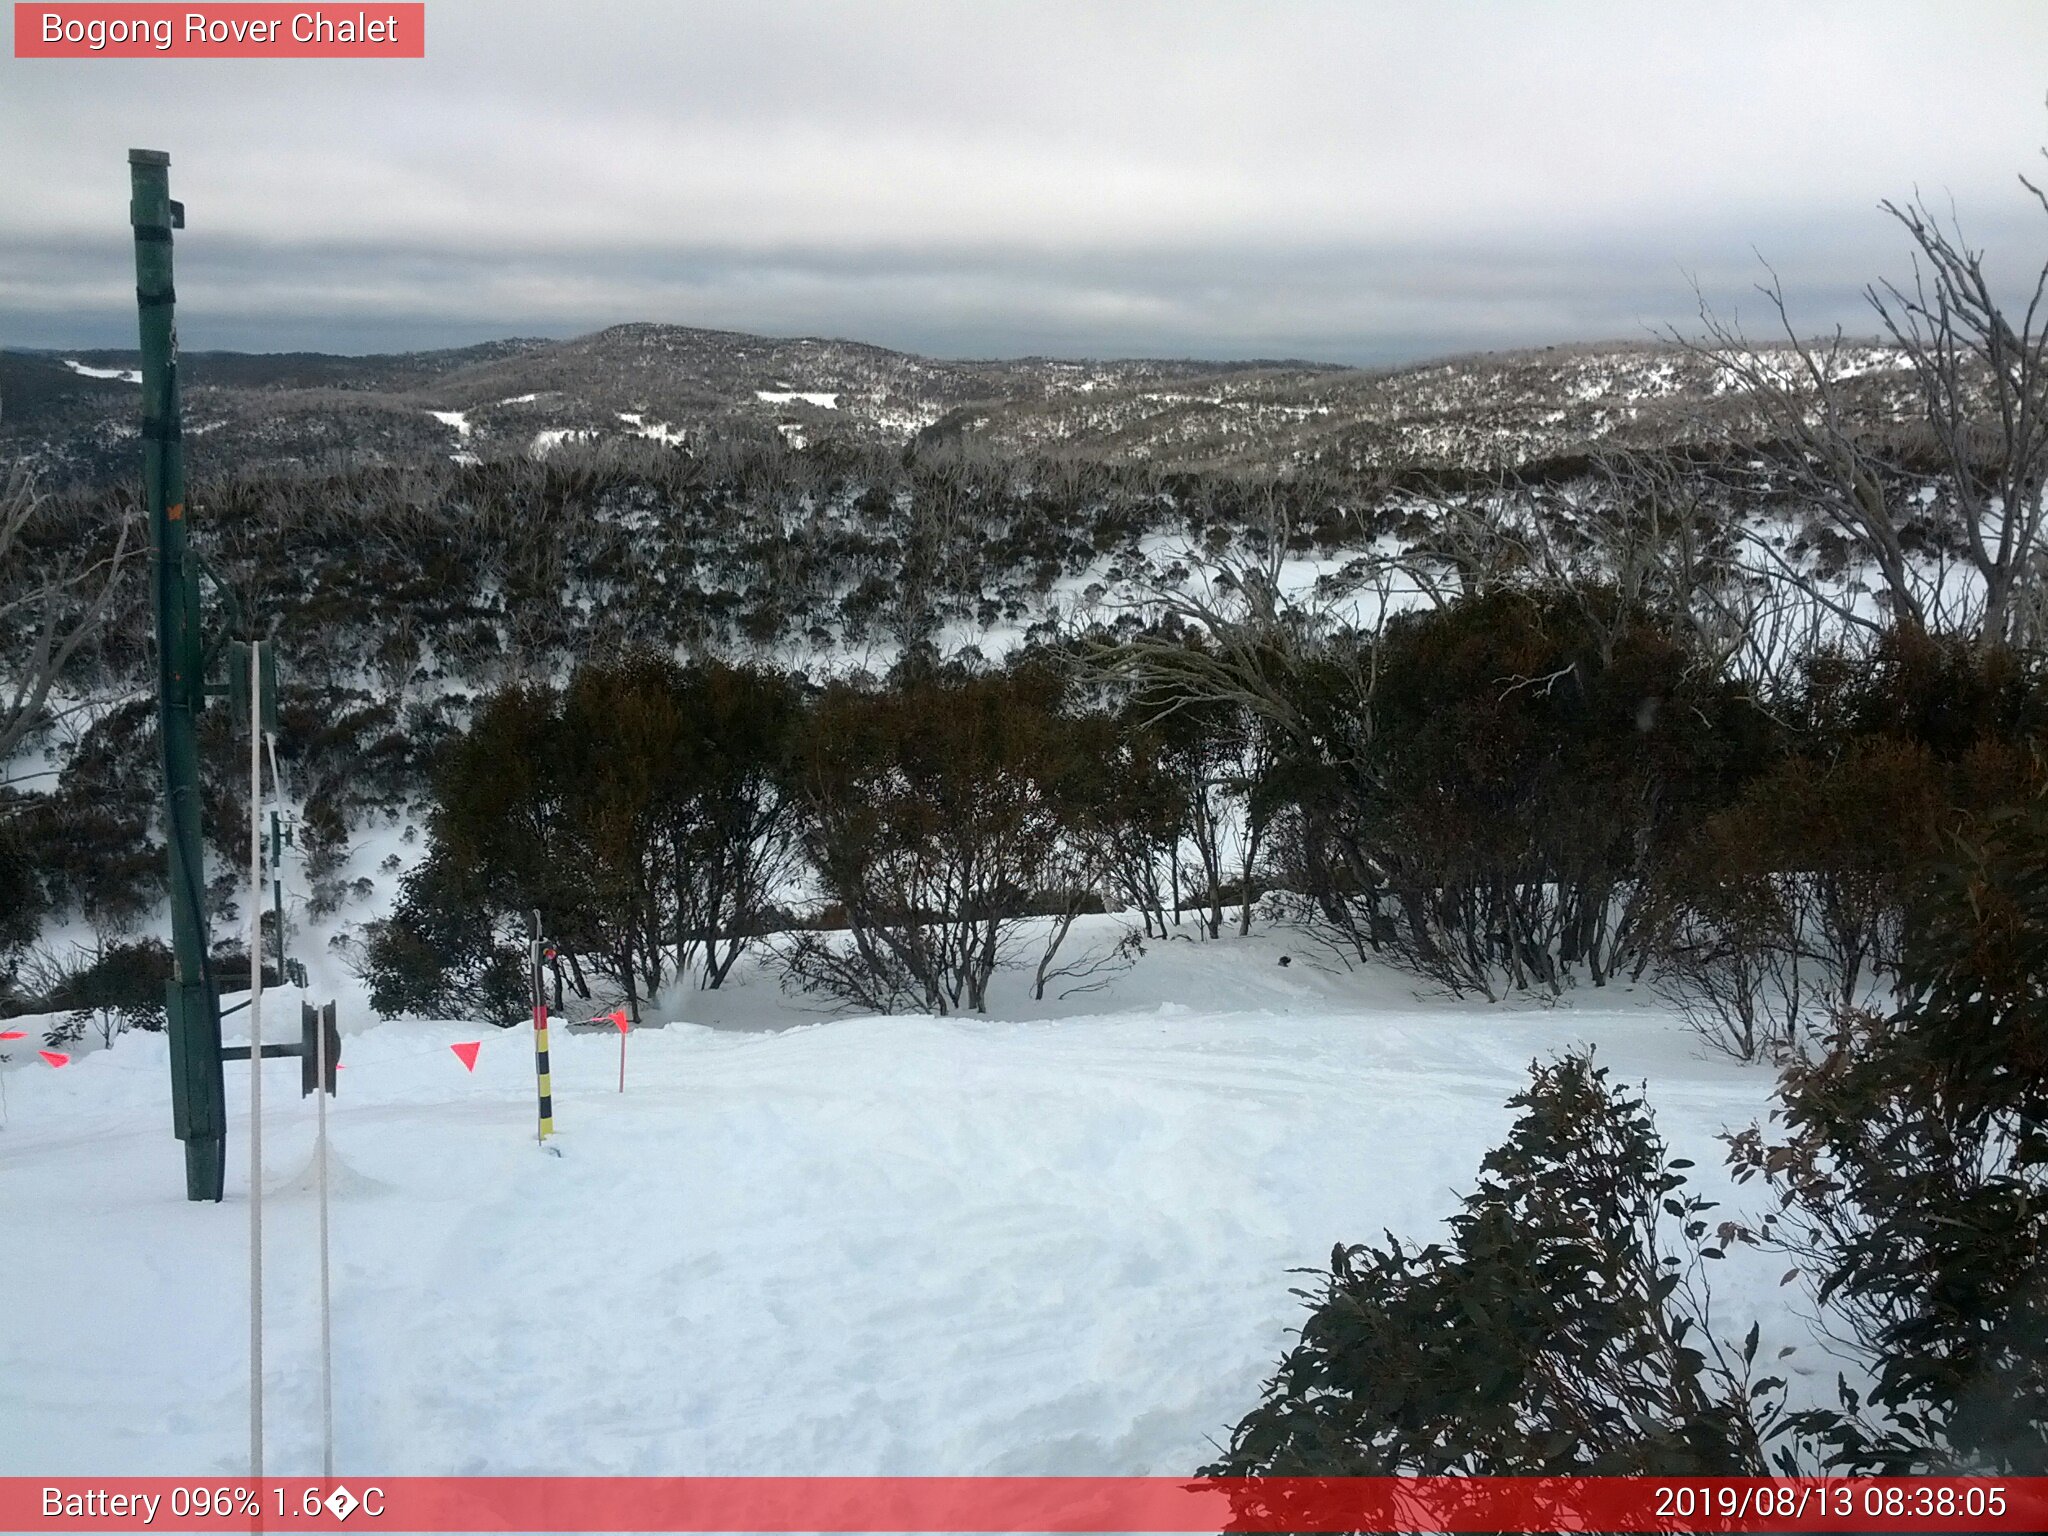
column 1054, row 1242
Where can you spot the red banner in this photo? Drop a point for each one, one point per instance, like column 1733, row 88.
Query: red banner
column 360, row 31
column 1061, row 1504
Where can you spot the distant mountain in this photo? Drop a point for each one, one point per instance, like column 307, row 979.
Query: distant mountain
column 74, row 414
column 380, row 372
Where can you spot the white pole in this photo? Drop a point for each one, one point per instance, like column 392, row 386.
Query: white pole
column 255, row 1059
column 326, row 1315
column 319, row 1137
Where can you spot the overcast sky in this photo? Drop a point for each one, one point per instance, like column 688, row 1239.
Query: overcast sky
column 1345, row 181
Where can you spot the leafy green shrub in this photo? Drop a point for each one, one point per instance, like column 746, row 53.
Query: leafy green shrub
column 439, row 955
column 1563, row 1329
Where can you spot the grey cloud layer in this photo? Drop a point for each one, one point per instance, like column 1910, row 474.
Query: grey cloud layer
column 1344, row 181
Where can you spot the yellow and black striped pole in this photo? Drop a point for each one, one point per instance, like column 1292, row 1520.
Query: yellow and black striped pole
column 540, row 1035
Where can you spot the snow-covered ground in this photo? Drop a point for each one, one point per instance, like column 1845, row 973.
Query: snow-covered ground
column 822, row 399
column 1052, row 1241
column 546, row 442
column 126, row 375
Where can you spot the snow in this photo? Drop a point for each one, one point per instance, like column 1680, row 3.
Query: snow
column 660, row 431
column 1056, row 1240
column 126, row 375
column 829, row 402
column 459, row 420
column 547, row 441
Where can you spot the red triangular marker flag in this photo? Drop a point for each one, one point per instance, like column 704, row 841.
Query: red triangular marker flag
column 467, row 1053
column 13, row 1034
column 55, row 1058
column 618, row 1017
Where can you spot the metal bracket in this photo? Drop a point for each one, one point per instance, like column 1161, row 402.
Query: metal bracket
column 313, row 1023
column 241, row 1052
column 221, row 590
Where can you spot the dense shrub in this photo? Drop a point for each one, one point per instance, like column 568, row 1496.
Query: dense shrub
column 1564, row 1327
column 23, row 900
column 642, row 811
column 438, row 953
column 1481, row 789
column 90, row 839
column 1789, row 900
column 932, row 813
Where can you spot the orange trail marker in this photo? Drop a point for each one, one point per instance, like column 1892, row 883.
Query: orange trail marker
column 55, row 1058
column 618, row 1017
column 466, row 1053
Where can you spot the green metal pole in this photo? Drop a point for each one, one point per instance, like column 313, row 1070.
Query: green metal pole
column 192, row 1005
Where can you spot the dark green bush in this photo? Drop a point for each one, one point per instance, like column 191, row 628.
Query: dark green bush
column 439, row 955
column 1564, row 1328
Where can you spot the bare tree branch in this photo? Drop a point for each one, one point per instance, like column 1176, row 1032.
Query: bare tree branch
column 45, row 615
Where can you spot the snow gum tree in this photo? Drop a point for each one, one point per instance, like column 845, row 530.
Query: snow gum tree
column 933, row 817
column 642, row 810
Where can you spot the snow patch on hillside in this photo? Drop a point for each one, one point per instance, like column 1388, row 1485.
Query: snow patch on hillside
column 828, row 402
column 126, row 375
column 546, row 442
column 660, row 431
